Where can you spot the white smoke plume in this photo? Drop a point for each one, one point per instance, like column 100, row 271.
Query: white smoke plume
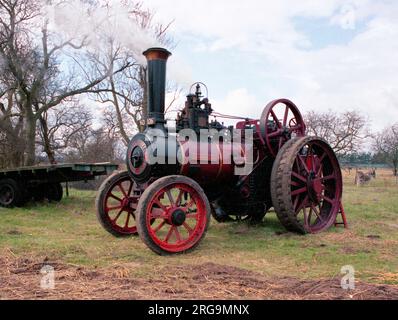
column 78, row 19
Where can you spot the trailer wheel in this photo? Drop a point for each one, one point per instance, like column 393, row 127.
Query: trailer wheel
column 38, row 193
column 306, row 185
column 116, row 204
column 54, row 192
column 11, row 194
column 173, row 215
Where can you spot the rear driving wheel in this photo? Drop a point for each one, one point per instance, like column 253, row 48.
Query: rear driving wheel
column 173, row 215
column 307, row 185
column 116, row 204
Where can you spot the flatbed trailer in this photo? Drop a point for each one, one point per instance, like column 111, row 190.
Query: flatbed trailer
column 20, row 185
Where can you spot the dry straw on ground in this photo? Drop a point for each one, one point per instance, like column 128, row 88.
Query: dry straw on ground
column 20, row 279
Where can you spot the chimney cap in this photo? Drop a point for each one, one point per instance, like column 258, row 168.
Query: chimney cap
column 157, row 54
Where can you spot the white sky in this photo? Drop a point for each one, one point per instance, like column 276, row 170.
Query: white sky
column 329, row 54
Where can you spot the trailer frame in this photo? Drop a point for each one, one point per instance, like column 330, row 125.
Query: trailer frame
column 20, row 185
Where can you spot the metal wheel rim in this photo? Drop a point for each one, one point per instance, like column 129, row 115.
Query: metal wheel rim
column 316, row 187
column 163, row 231
column 289, row 122
column 122, row 206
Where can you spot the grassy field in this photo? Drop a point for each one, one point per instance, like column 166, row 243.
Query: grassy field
column 69, row 233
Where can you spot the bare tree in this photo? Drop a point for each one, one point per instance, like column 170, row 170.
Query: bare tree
column 94, row 145
column 33, row 68
column 59, row 125
column 11, row 129
column 345, row 132
column 126, row 91
column 386, row 146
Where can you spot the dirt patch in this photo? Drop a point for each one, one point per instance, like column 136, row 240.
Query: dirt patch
column 20, row 279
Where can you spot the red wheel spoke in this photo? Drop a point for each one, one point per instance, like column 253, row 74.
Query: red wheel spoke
column 299, row 191
column 303, row 204
column 304, row 164
column 131, row 187
column 295, row 184
column 169, row 234
column 319, row 173
column 178, row 235
column 300, row 177
column 117, row 217
column 114, row 197
column 114, row 208
column 158, row 213
column 157, row 202
column 179, row 198
column 160, row 226
column 171, row 199
column 285, row 117
column 275, row 134
column 323, row 157
column 193, row 216
column 276, row 119
column 127, row 221
column 311, row 157
column 122, row 189
column 330, row 177
column 189, row 229
column 190, row 204
column 318, row 214
column 327, row 199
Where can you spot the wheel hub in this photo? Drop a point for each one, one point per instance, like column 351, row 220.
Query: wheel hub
column 137, row 157
column 315, row 188
column 127, row 203
column 6, row 196
column 178, row 217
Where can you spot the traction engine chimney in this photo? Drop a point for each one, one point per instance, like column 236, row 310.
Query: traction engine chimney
column 156, row 79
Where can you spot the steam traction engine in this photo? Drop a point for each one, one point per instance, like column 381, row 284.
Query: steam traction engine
column 169, row 202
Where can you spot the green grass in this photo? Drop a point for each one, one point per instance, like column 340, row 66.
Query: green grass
column 69, row 232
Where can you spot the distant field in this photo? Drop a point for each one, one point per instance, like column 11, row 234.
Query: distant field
column 88, row 260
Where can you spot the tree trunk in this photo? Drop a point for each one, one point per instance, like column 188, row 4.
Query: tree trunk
column 30, row 138
column 46, row 141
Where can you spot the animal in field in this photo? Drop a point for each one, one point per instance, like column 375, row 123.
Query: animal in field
column 362, row 178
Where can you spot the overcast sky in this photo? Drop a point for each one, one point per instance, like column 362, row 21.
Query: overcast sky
column 329, row 54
